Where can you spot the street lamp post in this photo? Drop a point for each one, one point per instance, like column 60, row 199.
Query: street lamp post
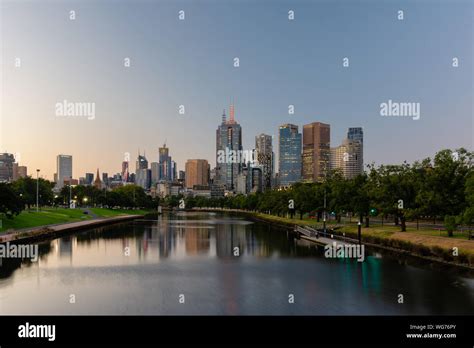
column 324, row 212
column 70, row 191
column 359, row 227
column 37, row 189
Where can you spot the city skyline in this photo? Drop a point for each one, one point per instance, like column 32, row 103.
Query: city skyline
column 188, row 63
column 143, row 162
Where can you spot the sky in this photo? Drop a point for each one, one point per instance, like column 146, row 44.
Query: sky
column 190, row 62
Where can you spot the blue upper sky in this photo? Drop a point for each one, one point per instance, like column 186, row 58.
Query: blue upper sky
column 190, row 63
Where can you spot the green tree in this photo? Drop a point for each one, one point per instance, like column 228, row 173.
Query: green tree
column 10, row 204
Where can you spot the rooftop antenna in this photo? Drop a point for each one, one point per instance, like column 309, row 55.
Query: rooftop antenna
column 232, row 111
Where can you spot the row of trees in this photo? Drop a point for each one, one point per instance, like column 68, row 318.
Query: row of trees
column 21, row 194
column 129, row 196
column 438, row 188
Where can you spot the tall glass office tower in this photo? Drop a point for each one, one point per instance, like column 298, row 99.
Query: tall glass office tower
column 289, row 161
column 228, row 137
column 356, row 135
column 165, row 164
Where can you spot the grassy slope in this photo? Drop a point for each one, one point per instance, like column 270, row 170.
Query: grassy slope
column 49, row 216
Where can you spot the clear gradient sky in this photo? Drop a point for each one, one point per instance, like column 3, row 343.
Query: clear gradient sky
column 190, row 62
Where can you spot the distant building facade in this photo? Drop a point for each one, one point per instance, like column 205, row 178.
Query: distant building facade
column 19, row 171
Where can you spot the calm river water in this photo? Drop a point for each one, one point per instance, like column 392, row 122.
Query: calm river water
column 184, row 263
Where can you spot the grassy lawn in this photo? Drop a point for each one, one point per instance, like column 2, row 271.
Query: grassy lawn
column 49, row 216
column 430, row 238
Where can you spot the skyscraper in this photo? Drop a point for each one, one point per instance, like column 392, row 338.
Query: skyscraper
column 166, row 170
column 6, row 167
column 155, row 172
column 264, row 154
column 197, row 173
column 142, row 162
column 347, row 158
column 125, row 171
column 143, row 178
column 289, row 160
column 174, row 170
column 105, row 179
column 143, row 174
column 228, row 138
column 256, row 175
column 89, row 178
column 63, row 169
column 357, row 134
column 316, row 151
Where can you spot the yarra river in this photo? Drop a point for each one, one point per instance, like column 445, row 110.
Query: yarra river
column 186, row 263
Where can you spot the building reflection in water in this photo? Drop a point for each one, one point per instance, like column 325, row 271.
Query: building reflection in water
column 65, row 245
column 197, row 241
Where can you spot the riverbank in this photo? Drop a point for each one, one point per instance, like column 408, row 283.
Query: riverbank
column 445, row 250
column 53, row 215
column 37, row 233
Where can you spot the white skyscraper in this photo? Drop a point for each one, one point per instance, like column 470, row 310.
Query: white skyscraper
column 63, row 169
